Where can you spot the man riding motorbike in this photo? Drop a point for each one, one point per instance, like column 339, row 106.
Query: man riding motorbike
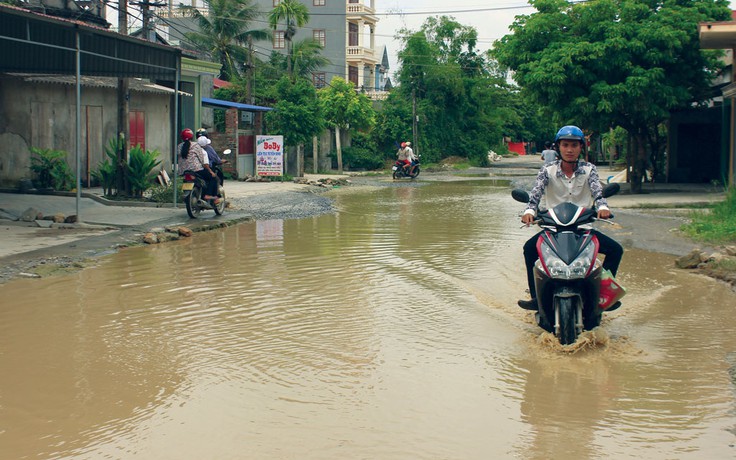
column 568, row 179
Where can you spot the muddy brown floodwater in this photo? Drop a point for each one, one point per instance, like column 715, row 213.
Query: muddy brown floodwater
column 388, row 330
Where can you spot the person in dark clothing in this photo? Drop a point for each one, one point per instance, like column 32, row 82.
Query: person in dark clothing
column 203, row 139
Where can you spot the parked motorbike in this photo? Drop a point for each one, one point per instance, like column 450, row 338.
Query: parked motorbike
column 400, row 170
column 193, row 188
column 568, row 274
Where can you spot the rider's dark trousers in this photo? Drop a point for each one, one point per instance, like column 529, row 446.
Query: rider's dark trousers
column 608, row 246
column 210, row 181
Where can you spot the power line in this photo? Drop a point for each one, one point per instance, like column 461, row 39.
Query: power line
column 266, row 53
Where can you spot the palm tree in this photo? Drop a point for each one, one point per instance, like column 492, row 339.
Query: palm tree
column 223, row 32
column 294, row 14
column 306, row 57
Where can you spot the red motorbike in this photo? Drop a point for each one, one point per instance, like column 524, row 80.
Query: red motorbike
column 572, row 288
column 401, row 169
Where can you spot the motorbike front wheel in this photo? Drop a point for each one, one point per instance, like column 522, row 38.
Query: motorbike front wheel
column 567, row 312
column 414, row 172
column 192, row 202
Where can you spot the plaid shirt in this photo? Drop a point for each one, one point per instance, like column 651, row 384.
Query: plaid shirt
column 583, row 188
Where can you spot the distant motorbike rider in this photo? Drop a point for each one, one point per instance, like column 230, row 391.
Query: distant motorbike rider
column 410, row 151
column 549, row 155
column 568, row 179
column 195, row 159
column 406, row 155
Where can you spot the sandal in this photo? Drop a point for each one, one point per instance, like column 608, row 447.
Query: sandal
column 217, row 201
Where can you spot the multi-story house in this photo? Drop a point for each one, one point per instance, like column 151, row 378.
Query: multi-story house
column 345, row 28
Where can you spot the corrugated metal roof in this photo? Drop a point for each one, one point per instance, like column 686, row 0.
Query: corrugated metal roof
column 37, row 43
column 135, row 84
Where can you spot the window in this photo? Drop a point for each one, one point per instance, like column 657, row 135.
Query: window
column 352, row 34
column 318, row 35
column 353, row 75
column 318, row 78
column 278, row 40
column 319, row 3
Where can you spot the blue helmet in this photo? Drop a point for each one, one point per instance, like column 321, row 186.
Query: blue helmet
column 570, row 132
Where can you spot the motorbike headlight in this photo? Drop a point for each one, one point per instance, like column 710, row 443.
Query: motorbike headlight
column 557, row 268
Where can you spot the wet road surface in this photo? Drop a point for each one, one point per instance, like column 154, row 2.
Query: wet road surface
column 387, row 330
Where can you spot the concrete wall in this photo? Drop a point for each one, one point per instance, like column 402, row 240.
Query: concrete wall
column 42, row 115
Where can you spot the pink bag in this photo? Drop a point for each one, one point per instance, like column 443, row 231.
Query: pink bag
column 611, row 291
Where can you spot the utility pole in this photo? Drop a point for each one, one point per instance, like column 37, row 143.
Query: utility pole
column 249, row 73
column 123, row 108
column 414, row 127
column 149, row 33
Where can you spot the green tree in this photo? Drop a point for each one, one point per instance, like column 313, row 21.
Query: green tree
column 393, row 123
column 295, row 15
column 345, row 109
column 530, row 121
column 462, row 102
column 224, row 30
column 306, row 58
column 612, row 63
column 297, row 115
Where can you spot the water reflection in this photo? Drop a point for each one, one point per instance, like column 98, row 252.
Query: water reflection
column 386, row 330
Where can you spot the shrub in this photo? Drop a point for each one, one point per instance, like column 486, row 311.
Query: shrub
column 106, row 172
column 51, row 169
column 361, row 158
column 140, row 171
column 164, row 193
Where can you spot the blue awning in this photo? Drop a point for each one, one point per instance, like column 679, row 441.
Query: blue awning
column 220, row 104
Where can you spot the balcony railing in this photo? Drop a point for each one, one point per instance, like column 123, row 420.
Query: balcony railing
column 360, row 52
column 359, row 8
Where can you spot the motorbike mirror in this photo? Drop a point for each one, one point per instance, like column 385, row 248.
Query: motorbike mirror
column 611, row 189
column 520, row 195
column 226, row 152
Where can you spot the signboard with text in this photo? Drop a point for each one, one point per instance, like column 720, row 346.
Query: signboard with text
column 269, row 155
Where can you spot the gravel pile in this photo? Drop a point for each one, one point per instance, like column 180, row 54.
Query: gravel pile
column 288, row 205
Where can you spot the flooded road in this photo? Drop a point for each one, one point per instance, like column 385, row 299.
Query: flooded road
column 388, row 330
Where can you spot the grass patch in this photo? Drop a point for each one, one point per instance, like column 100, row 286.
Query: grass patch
column 716, row 226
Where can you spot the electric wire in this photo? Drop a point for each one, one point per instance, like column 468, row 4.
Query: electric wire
column 266, row 52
